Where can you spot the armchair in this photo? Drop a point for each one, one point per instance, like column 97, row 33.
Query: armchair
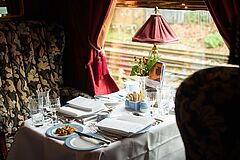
column 31, row 59
column 207, row 114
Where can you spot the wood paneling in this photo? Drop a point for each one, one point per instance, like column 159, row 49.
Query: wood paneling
column 164, row 4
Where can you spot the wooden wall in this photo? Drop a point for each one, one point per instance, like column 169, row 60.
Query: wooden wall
column 72, row 14
column 45, row 9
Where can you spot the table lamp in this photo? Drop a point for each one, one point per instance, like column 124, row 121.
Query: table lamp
column 155, row 31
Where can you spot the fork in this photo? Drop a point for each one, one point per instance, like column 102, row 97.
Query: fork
column 93, row 129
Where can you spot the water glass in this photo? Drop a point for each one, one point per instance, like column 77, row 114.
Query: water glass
column 151, row 95
column 131, row 86
column 164, row 100
column 46, row 109
column 54, row 104
column 172, row 99
column 36, row 110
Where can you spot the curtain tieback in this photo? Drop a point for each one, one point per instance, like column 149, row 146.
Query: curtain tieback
column 93, row 46
column 100, row 63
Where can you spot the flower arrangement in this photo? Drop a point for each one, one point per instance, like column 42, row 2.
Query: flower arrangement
column 144, row 65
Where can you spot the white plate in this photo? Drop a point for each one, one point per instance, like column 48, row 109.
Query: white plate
column 76, row 142
column 110, row 100
column 51, row 131
column 144, row 130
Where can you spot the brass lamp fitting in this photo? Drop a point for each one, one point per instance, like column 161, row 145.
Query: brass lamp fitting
column 154, row 49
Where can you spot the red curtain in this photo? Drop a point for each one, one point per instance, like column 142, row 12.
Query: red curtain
column 84, row 63
column 97, row 66
column 226, row 14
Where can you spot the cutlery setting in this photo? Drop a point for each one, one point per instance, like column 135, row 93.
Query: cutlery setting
column 95, row 133
column 92, row 136
column 107, row 135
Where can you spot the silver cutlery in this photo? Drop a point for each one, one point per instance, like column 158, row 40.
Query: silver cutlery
column 92, row 136
column 108, row 136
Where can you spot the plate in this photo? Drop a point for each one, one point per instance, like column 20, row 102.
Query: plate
column 76, row 142
column 51, row 131
column 109, row 100
column 144, row 130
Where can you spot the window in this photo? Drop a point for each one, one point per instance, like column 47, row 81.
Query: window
column 11, row 9
column 200, row 46
column 3, row 8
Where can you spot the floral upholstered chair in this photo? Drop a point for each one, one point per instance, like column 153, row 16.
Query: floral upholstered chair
column 30, row 59
column 207, row 106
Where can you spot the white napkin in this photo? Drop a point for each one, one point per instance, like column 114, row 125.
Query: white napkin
column 73, row 112
column 126, row 125
column 85, row 104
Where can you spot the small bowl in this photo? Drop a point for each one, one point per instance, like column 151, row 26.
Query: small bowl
column 102, row 115
column 144, row 107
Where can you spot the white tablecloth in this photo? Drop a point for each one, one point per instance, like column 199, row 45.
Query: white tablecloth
column 161, row 142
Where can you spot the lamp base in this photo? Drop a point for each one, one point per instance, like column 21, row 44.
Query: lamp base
column 154, row 49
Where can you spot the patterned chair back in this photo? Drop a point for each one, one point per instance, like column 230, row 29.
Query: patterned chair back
column 30, row 60
column 207, row 108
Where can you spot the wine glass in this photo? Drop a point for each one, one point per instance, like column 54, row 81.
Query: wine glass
column 54, row 104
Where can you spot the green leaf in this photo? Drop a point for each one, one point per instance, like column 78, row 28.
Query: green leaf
column 142, row 69
column 134, row 70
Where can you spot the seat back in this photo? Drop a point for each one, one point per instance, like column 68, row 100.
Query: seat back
column 207, row 108
column 30, row 60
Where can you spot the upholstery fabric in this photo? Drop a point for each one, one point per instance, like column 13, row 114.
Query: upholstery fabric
column 207, row 114
column 30, row 60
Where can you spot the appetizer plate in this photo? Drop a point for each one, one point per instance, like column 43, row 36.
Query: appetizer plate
column 82, row 143
column 51, row 131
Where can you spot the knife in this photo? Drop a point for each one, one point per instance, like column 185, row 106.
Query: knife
column 92, row 136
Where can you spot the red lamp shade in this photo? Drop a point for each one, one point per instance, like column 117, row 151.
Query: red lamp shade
column 155, row 31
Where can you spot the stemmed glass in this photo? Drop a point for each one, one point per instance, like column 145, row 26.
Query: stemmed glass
column 54, row 104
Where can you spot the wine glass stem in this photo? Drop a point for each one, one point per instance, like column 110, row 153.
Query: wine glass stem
column 54, row 117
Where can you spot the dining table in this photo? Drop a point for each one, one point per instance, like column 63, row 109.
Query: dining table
column 161, row 141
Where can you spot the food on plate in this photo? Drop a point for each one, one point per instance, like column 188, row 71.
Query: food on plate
column 65, row 130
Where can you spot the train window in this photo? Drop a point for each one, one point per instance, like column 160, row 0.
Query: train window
column 3, row 11
column 200, row 45
column 3, row 8
column 11, row 8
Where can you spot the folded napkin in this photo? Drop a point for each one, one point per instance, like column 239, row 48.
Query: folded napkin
column 85, row 104
column 73, row 112
column 125, row 125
